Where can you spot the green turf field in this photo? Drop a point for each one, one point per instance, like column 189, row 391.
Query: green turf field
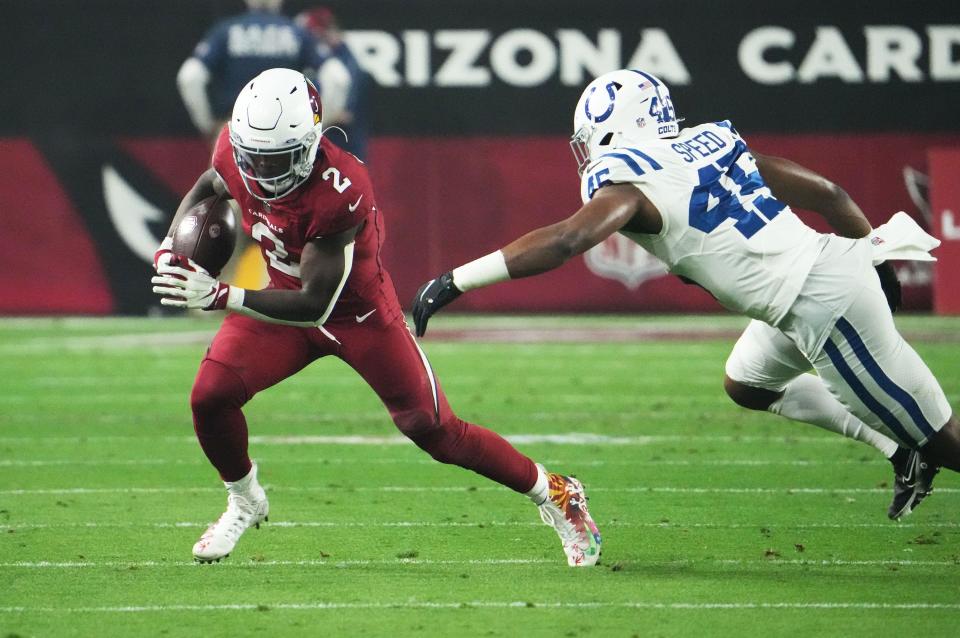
column 716, row 521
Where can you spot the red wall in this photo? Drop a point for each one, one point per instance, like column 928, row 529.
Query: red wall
column 446, row 201
column 48, row 263
column 945, row 204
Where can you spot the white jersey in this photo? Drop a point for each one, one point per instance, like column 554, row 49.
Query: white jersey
column 722, row 227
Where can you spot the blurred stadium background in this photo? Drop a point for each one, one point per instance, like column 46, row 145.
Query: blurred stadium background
column 713, row 517
column 471, row 108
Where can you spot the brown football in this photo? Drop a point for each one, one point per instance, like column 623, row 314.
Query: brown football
column 207, row 234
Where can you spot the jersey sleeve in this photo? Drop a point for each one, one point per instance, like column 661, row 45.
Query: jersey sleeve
column 222, row 151
column 727, row 124
column 223, row 163
column 618, row 166
column 350, row 207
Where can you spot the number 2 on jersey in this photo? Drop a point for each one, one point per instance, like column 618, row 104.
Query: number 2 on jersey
column 278, row 254
column 339, row 184
column 732, row 189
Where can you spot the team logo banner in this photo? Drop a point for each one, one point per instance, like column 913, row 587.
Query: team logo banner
column 469, row 115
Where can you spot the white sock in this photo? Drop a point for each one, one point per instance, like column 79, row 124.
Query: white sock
column 244, row 485
column 807, row 399
column 541, row 489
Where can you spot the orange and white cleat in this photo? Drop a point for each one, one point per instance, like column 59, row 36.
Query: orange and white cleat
column 566, row 511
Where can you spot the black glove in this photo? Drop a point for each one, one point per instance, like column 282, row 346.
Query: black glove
column 890, row 285
column 432, row 296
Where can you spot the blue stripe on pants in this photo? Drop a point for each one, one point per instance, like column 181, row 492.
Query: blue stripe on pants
column 898, row 394
column 863, row 394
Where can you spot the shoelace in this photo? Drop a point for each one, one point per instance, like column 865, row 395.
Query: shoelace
column 235, row 518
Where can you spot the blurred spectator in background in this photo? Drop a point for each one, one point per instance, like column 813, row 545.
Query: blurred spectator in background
column 342, row 83
column 233, row 51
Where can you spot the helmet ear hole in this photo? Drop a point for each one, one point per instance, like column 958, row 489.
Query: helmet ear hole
column 605, row 140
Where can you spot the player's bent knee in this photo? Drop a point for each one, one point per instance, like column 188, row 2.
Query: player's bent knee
column 216, row 387
column 748, row 396
column 441, row 440
column 416, row 423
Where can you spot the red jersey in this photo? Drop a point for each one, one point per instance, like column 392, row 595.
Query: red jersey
column 337, row 196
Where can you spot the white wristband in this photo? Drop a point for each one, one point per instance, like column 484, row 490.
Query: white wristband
column 235, row 298
column 489, row 269
column 166, row 244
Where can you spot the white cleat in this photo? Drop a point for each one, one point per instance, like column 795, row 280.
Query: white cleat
column 566, row 511
column 246, row 506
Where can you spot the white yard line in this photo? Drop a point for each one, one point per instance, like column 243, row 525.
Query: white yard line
column 135, row 341
column 573, row 438
column 323, row 460
column 80, row 397
column 442, row 524
column 245, row 564
column 85, row 462
column 488, row 604
column 465, row 488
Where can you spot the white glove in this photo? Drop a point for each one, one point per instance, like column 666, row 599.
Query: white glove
column 190, row 287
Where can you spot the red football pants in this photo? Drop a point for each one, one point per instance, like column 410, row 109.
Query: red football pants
column 248, row 355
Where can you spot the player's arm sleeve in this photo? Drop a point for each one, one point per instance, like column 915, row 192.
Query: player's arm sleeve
column 335, row 82
column 800, row 187
column 727, row 124
column 192, row 80
column 194, row 76
column 325, row 266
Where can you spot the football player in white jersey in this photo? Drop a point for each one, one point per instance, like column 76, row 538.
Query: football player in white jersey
column 719, row 216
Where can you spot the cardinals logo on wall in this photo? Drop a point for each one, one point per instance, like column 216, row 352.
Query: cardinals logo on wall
column 114, row 203
column 621, row 259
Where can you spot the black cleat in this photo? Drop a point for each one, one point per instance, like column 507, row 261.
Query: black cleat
column 209, row 561
column 913, row 481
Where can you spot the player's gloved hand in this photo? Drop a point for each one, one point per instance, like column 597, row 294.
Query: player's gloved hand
column 890, row 285
column 183, row 283
column 432, row 296
column 164, row 253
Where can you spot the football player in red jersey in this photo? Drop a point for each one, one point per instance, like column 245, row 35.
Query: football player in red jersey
column 310, row 207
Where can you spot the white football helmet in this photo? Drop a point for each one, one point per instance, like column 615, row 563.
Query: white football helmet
column 620, row 108
column 275, row 132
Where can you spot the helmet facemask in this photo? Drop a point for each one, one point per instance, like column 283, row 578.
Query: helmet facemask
column 275, row 171
column 580, row 145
